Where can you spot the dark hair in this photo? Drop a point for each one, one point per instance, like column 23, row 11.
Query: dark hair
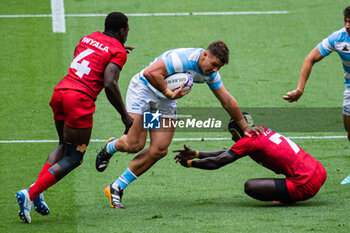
column 220, row 50
column 115, row 21
column 347, row 12
column 233, row 126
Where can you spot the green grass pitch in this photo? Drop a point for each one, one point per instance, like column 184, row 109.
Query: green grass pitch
column 266, row 53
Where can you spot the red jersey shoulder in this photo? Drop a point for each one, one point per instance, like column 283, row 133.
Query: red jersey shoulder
column 107, row 45
column 244, row 145
column 248, row 144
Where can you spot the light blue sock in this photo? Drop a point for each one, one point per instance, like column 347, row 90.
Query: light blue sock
column 125, row 179
column 110, row 147
column 346, row 180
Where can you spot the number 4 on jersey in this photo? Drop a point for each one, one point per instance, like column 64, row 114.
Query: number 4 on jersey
column 82, row 67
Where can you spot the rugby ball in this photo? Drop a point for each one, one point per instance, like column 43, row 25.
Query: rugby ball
column 174, row 81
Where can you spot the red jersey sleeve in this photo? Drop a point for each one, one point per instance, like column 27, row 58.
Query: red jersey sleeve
column 119, row 58
column 244, row 146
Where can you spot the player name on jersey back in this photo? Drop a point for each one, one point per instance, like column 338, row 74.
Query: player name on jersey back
column 94, row 43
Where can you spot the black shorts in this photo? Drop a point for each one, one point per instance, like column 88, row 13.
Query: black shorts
column 282, row 189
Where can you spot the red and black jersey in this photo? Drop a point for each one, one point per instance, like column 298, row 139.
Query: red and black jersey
column 278, row 154
column 93, row 53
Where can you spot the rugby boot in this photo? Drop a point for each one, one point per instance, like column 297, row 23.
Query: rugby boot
column 114, row 196
column 40, row 205
column 25, row 204
column 103, row 157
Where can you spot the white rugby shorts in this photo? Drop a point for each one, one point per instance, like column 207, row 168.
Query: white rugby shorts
column 346, row 102
column 141, row 98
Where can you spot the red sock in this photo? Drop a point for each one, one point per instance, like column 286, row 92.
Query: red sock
column 41, row 184
column 44, row 169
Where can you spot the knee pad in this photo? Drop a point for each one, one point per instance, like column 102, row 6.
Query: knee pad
column 73, row 157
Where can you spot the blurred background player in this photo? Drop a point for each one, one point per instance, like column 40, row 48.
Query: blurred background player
column 98, row 60
column 338, row 41
column 304, row 174
column 148, row 91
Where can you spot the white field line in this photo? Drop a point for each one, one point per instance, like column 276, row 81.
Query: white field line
column 58, row 20
column 25, row 16
column 174, row 139
column 154, row 14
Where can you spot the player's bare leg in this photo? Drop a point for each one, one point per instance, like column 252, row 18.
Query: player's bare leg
column 75, row 137
column 346, row 120
column 74, row 145
column 160, row 141
column 70, row 135
column 133, row 142
column 57, row 154
column 265, row 189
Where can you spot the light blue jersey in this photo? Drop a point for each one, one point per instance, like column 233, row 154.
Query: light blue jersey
column 338, row 41
column 186, row 60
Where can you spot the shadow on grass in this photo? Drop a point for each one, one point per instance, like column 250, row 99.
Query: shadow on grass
column 228, row 203
column 301, row 204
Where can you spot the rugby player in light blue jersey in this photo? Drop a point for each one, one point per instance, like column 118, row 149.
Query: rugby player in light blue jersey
column 338, row 41
column 148, row 91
